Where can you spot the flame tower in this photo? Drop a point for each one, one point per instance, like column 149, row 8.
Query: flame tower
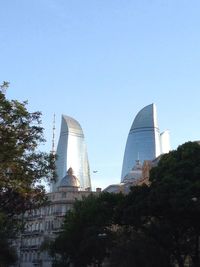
column 72, row 153
column 144, row 140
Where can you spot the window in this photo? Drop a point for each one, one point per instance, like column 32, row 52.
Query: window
column 30, row 257
column 64, row 194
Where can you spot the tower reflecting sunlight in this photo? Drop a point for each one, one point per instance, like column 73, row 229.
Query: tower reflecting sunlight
column 72, row 153
column 144, row 140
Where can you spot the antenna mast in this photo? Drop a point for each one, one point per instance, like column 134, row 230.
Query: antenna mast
column 53, row 136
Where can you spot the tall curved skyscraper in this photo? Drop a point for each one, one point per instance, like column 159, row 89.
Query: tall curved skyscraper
column 72, row 153
column 144, row 142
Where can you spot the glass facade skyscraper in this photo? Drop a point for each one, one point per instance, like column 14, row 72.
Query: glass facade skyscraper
column 144, row 140
column 72, row 153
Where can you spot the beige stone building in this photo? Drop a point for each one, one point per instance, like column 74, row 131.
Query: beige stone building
column 139, row 175
column 45, row 223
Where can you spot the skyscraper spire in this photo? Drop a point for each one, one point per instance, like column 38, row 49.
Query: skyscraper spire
column 53, row 135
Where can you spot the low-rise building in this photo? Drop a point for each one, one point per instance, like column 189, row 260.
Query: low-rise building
column 139, row 175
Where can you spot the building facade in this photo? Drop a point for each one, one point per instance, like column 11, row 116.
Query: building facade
column 45, row 223
column 139, row 175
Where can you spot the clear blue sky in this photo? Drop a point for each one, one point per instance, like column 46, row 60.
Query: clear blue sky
column 101, row 61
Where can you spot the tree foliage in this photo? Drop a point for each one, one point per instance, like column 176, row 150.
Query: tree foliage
column 22, row 165
column 133, row 248
column 87, row 231
column 169, row 209
column 156, row 225
column 7, row 232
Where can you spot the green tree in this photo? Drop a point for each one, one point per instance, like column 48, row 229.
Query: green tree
column 87, row 232
column 135, row 249
column 175, row 195
column 169, row 210
column 7, row 253
column 22, row 165
column 156, row 225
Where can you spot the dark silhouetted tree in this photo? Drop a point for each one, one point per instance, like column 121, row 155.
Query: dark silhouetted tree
column 168, row 211
column 87, row 232
column 22, row 165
